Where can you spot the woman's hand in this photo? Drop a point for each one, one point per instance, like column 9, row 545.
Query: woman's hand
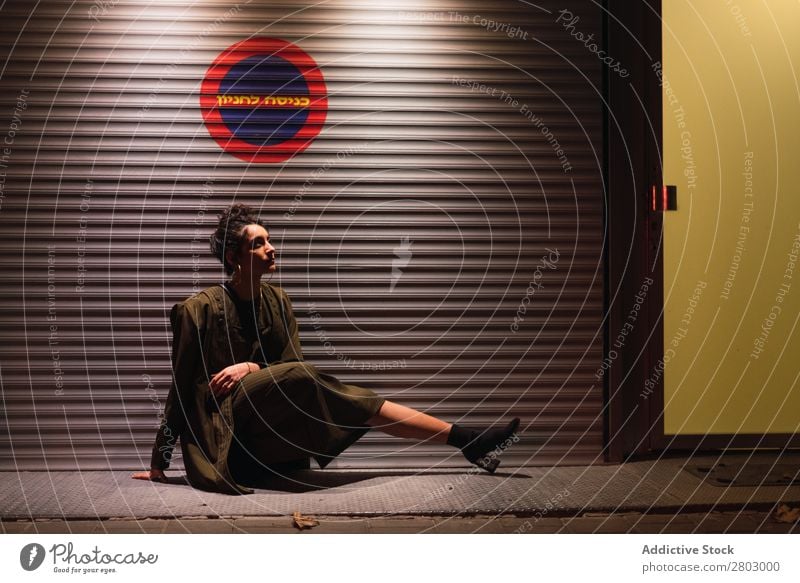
column 225, row 380
column 153, row 475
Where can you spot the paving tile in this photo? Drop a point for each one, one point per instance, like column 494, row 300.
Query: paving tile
column 662, row 524
column 546, row 521
column 620, row 525
column 338, row 525
column 648, row 528
column 551, row 529
column 706, row 524
column 472, row 525
column 774, row 527
column 151, row 525
column 284, row 525
column 411, row 525
column 60, row 527
column 611, row 487
column 520, row 525
column 534, row 525
column 660, row 517
column 685, row 486
column 744, row 524
column 678, row 526
column 16, row 527
column 729, row 522
column 209, row 526
column 50, row 527
column 199, row 526
column 264, row 525
column 127, row 526
column 83, row 526
column 633, row 523
column 608, row 524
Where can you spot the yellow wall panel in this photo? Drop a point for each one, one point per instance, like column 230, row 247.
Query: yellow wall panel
column 732, row 285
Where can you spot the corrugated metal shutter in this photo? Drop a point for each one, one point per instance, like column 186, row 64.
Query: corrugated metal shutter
column 409, row 232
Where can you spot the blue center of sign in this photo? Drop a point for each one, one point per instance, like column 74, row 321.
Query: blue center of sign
column 264, row 77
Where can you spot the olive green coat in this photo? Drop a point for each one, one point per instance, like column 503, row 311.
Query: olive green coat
column 208, row 337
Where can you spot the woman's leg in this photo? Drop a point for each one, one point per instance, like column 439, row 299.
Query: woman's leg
column 402, row 421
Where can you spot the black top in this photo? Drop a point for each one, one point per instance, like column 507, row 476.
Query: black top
column 249, row 311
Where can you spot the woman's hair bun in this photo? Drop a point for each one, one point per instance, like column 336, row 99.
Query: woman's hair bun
column 228, row 234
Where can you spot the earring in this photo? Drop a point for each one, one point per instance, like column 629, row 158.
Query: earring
column 237, row 274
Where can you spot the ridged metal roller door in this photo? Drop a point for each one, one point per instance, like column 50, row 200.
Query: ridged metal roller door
column 437, row 245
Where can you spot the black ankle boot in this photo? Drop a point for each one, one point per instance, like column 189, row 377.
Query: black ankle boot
column 475, row 443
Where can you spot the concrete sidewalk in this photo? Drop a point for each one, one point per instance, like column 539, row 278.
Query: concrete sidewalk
column 657, row 494
column 744, row 521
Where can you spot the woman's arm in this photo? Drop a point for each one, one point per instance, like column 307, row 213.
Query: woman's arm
column 186, row 354
column 225, row 380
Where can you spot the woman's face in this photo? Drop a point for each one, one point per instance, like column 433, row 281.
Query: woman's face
column 256, row 255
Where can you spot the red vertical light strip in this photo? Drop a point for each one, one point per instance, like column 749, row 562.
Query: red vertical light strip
column 654, row 197
column 664, row 198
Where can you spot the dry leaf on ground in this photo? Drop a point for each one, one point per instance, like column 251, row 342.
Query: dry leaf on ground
column 302, row 522
column 786, row 513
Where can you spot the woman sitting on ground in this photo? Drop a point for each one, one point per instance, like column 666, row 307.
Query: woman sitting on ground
column 243, row 398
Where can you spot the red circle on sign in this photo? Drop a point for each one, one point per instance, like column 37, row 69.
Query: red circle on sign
column 266, row 47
